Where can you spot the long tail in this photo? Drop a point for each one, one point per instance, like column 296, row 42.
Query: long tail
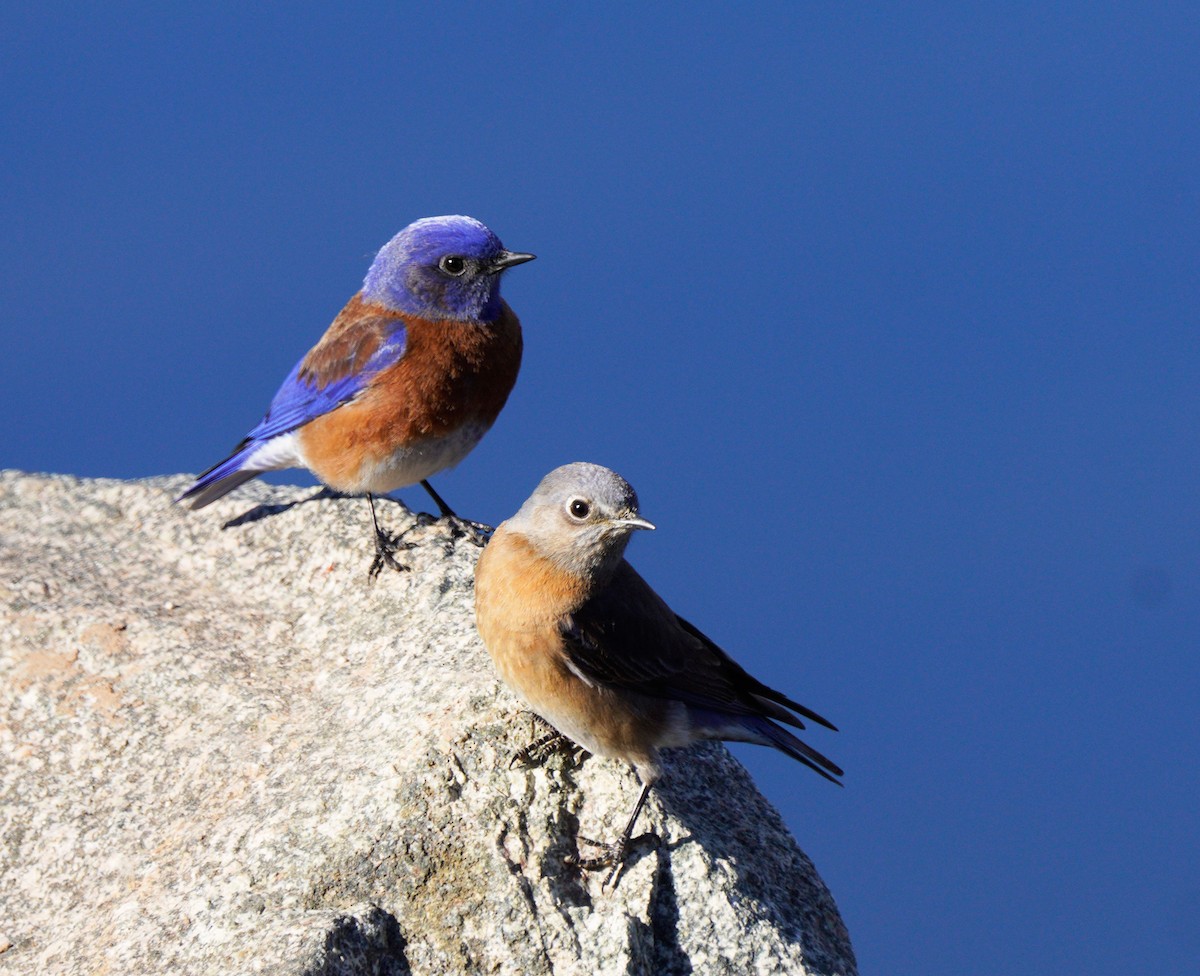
column 783, row 740
column 222, row 477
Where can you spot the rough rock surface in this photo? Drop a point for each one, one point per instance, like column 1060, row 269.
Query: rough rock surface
column 224, row 751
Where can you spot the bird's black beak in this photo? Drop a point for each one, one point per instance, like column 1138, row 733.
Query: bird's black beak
column 509, row 259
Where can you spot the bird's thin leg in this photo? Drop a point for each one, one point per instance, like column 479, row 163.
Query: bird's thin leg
column 385, row 547
column 613, row 855
column 445, row 510
column 477, row 532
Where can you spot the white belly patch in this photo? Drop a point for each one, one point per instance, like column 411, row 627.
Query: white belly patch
column 409, row 465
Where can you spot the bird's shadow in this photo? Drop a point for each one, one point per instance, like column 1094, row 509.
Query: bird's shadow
column 264, row 510
column 711, row 794
column 371, row 945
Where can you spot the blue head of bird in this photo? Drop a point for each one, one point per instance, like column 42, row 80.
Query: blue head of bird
column 581, row 517
column 442, row 268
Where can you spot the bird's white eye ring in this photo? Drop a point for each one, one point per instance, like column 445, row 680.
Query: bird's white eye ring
column 579, row 508
column 453, row 264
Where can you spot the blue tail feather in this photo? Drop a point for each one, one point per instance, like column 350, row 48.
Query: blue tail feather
column 221, row 478
column 784, row 741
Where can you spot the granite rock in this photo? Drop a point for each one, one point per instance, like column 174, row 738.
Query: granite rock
column 226, row 751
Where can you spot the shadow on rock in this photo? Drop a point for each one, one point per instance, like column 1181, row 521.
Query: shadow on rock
column 368, row 946
column 750, row 837
column 662, row 953
column 260, row 512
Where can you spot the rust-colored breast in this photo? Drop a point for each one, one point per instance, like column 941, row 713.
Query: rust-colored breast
column 453, row 375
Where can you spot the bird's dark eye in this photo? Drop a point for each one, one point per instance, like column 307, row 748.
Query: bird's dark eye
column 579, row 508
column 453, row 264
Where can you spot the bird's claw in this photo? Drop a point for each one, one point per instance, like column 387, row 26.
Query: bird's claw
column 385, row 555
column 460, row 528
column 545, row 746
column 478, row 533
column 611, row 856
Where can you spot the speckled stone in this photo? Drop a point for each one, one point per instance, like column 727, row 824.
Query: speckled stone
column 226, row 752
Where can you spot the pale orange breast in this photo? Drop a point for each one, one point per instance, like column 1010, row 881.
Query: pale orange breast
column 519, row 600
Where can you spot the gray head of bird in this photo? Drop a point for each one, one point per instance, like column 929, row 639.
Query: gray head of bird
column 581, row 516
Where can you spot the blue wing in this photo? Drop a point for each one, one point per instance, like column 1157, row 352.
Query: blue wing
column 354, row 350
column 309, row 392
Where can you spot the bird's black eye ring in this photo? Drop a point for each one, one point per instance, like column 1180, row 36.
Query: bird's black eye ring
column 453, row 264
column 579, row 508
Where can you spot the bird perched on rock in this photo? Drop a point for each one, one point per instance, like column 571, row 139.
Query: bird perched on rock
column 404, row 383
column 578, row 634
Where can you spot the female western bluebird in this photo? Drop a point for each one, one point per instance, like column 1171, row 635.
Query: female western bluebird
column 597, row 653
column 404, row 383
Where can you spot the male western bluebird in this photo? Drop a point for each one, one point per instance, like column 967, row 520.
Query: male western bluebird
column 597, row 653
column 407, row 379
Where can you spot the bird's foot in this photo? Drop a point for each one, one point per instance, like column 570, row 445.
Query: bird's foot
column 545, row 746
column 385, row 554
column 538, row 751
column 610, row 856
column 477, row 533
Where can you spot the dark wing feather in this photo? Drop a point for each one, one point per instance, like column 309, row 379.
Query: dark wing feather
column 764, row 694
column 625, row 635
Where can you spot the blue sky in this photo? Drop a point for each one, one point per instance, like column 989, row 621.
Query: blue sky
column 889, row 316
